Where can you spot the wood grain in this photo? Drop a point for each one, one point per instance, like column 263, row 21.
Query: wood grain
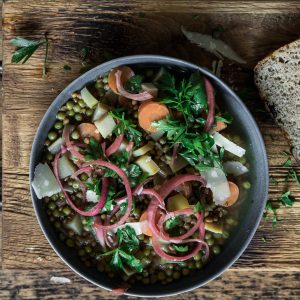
column 231, row 285
column 268, row 269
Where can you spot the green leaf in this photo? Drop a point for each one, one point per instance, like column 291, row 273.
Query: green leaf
column 132, row 261
column 286, row 199
column 226, row 118
column 287, row 163
column 270, row 208
column 292, row 174
column 199, row 207
column 116, row 260
column 67, row 68
column 123, row 207
column 172, row 223
column 93, row 150
column 181, row 248
column 94, row 185
column 24, row 54
column 22, row 43
column 273, row 181
column 134, row 84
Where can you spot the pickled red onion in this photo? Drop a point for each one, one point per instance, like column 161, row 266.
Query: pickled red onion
column 211, row 104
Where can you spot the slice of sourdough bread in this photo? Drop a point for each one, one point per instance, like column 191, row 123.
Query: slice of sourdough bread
column 278, row 80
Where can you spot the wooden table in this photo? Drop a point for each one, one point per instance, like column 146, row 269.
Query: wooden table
column 270, row 267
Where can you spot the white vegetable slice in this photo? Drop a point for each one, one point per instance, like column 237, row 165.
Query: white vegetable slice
column 91, row 196
column 55, row 146
column 44, row 182
column 100, row 111
column 123, row 146
column 136, row 226
column 65, row 167
column 157, row 135
column 228, row 145
column 178, row 164
column 217, row 182
column 75, row 225
column 235, row 168
column 105, row 125
column 150, row 88
column 142, row 150
column 88, row 98
column 146, row 163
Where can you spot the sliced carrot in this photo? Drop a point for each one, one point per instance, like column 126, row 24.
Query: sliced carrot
column 149, row 112
column 146, row 230
column 87, row 130
column 234, row 194
column 220, row 125
column 126, row 74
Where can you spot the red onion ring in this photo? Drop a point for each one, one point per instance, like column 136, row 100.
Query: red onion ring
column 138, row 97
column 115, row 145
column 211, row 104
column 70, row 145
column 96, row 208
column 126, row 183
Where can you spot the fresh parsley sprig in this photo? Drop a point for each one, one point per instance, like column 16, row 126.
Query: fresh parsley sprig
column 26, row 48
column 126, row 126
column 93, row 150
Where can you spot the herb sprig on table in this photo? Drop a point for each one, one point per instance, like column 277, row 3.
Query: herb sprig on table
column 26, row 48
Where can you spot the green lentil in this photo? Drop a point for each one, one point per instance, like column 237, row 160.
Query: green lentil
column 75, row 135
column 176, row 275
column 61, row 116
column 199, row 264
column 66, row 210
column 52, row 135
column 81, row 252
column 78, row 117
column 81, row 103
column 70, row 243
column 105, row 79
column 71, row 113
column 161, row 276
column 208, row 235
column 70, row 105
column 246, row 185
column 217, row 235
column 225, row 234
column 88, row 249
column 243, row 160
column 84, row 177
column 230, row 220
column 77, row 108
column 51, row 205
column 100, row 268
column 57, row 225
column 210, row 242
column 56, row 213
column 216, row 249
column 58, row 125
column 99, row 85
column 146, row 251
column 47, row 143
column 198, row 256
column 66, row 121
column 191, row 265
column 49, row 156
column 146, row 280
column 89, row 112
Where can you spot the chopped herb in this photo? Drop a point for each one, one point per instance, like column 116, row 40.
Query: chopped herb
column 199, row 207
column 89, row 221
column 273, row 181
column 93, row 150
column 264, row 239
column 94, row 185
column 292, row 174
column 172, row 223
column 181, row 248
column 287, row 163
column 127, row 242
column 123, row 208
column 26, row 48
column 270, row 208
column 67, row 68
column 286, row 199
column 226, row 118
column 126, row 126
column 134, row 84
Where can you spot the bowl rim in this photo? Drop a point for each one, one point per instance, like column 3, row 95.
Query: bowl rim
column 159, row 59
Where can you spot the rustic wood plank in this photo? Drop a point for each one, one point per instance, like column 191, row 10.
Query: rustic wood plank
column 231, row 285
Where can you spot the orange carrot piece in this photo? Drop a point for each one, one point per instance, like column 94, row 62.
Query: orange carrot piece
column 87, row 130
column 151, row 111
column 126, row 74
column 146, row 230
column 220, row 125
column 234, row 194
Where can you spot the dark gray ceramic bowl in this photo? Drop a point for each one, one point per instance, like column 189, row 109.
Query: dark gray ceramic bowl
column 251, row 209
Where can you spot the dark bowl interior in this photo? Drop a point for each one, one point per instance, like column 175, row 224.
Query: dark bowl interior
column 251, row 209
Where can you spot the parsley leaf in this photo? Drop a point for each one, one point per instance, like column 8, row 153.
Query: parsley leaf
column 172, row 223
column 94, row 185
column 226, row 118
column 134, row 84
column 292, row 174
column 181, row 248
column 199, row 207
column 287, row 163
column 270, row 208
column 126, row 126
column 26, row 50
column 93, row 150
column 67, row 68
column 286, row 199
column 273, row 181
